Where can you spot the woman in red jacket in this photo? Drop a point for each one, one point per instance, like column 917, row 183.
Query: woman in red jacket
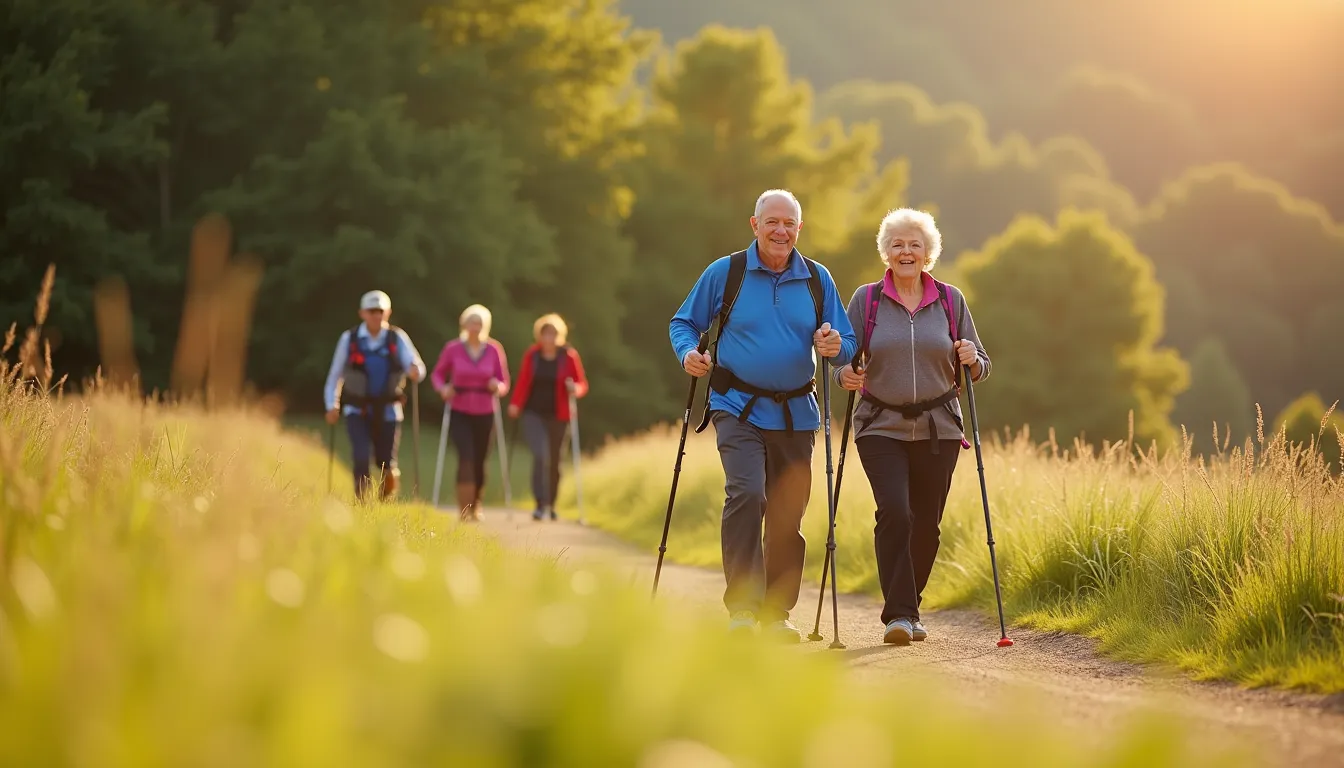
column 550, row 372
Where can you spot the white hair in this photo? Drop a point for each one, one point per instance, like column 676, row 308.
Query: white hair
column 769, row 193
column 909, row 217
column 479, row 312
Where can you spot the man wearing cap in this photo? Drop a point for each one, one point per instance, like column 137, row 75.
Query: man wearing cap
column 368, row 376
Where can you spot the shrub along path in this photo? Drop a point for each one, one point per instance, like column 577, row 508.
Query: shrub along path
column 1058, row 674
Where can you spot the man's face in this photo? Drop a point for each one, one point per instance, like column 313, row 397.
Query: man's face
column 373, row 318
column 777, row 228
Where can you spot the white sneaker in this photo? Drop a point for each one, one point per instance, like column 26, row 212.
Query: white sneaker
column 784, row 631
column 899, row 632
column 919, row 632
column 742, row 621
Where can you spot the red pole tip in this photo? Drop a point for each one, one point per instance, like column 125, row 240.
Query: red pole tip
column 1005, row 642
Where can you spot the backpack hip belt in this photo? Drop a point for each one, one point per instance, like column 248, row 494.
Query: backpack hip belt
column 913, row 411
column 722, row 380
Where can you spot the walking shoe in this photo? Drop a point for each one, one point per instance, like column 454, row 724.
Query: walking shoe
column 899, row 632
column 784, row 631
column 553, row 515
column 919, row 632
column 742, row 621
column 539, row 514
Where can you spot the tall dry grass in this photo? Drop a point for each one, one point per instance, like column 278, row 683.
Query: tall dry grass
column 1230, row 566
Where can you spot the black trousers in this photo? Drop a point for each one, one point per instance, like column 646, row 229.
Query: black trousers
column 471, row 437
column 910, row 485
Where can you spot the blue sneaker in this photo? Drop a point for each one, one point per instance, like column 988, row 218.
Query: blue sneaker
column 919, row 632
column 539, row 514
column 899, row 632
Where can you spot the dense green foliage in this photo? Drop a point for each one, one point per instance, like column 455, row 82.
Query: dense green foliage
column 1072, row 315
column 543, row 156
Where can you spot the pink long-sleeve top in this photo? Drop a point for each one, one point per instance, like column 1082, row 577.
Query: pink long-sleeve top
column 470, row 375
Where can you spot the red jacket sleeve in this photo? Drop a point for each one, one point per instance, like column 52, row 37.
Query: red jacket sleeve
column 580, row 380
column 523, row 387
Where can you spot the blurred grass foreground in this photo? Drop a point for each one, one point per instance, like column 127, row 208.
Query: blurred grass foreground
column 176, row 589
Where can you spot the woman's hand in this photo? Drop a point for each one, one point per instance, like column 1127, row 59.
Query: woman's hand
column 966, row 352
column 446, row 392
column 513, row 411
column 851, row 380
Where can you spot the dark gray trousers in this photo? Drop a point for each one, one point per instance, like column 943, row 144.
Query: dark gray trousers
column 767, row 479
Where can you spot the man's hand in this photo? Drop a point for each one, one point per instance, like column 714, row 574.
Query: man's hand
column 333, row 416
column 851, row 380
column 414, row 374
column 827, row 341
column 696, row 363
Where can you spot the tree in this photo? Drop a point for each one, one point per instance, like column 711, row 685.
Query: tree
column 56, row 148
column 726, row 123
column 1071, row 316
column 977, row 185
column 1217, row 400
column 1304, row 423
column 1255, row 267
column 451, row 151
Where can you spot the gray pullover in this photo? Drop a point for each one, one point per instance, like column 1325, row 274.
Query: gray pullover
column 911, row 360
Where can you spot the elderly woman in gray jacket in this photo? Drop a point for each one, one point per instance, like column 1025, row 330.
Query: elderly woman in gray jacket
column 917, row 334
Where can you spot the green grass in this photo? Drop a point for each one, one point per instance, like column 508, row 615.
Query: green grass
column 178, row 590
column 1231, row 568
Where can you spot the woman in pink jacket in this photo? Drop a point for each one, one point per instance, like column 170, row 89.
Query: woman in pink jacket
column 471, row 372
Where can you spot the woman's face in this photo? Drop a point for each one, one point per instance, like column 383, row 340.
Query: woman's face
column 473, row 328
column 906, row 254
column 547, row 338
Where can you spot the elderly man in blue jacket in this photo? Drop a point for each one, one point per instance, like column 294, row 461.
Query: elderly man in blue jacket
column 762, row 402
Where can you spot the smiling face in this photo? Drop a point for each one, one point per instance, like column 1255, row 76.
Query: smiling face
column 776, row 230
column 473, row 327
column 906, row 252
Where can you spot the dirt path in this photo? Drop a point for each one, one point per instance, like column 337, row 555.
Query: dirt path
column 1051, row 673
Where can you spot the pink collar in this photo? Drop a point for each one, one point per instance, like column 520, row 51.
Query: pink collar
column 930, row 289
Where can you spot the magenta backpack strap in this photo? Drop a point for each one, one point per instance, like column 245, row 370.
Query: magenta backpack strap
column 945, row 298
column 871, row 301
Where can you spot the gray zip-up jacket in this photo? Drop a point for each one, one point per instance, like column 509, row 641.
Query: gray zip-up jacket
column 911, row 360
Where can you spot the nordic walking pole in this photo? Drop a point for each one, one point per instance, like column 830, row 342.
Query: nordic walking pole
column 839, row 476
column 574, row 446
column 331, row 453
column 443, row 445
column 503, row 458
column 415, row 435
column 830, row 500
column 984, row 500
column 676, row 468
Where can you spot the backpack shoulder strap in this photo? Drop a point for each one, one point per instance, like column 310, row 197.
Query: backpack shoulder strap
column 871, row 301
column 732, row 288
column 945, row 298
column 814, row 285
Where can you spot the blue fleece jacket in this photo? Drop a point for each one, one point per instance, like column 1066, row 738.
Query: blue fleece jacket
column 768, row 341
